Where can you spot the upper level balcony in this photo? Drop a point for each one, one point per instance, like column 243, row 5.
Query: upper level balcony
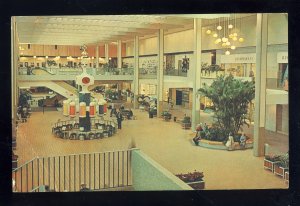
column 65, row 73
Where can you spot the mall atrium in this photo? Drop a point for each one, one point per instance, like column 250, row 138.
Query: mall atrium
column 150, row 102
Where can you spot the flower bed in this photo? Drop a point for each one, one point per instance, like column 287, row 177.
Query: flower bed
column 195, row 179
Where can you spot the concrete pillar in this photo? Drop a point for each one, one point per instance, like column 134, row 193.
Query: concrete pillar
column 97, row 56
column 160, row 69
column 136, row 71
column 106, row 53
column 197, row 71
column 119, row 54
column 260, row 84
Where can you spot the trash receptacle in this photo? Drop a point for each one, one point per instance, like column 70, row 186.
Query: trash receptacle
column 174, row 119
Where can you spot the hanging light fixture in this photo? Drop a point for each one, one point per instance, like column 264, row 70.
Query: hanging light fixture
column 227, row 52
column 241, row 39
column 219, row 27
column 232, row 47
column 208, row 31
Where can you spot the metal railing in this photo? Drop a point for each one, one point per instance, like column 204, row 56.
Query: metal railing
column 174, row 72
column 98, row 171
column 76, row 71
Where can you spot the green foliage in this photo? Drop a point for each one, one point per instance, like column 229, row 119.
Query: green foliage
column 231, row 98
column 186, row 120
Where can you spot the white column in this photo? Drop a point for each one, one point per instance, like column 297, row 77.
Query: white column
column 119, row 54
column 260, row 84
column 197, row 71
column 136, row 70
column 106, row 53
column 160, row 69
column 97, row 56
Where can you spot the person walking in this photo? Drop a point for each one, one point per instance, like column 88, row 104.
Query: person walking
column 119, row 119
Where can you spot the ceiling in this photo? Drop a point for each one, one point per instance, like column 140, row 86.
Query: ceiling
column 78, row 30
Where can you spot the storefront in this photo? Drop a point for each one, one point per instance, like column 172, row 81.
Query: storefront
column 239, row 65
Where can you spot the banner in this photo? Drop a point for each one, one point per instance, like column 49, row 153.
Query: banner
column 239, row 58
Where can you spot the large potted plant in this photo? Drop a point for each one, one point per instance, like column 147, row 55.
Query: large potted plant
column 166, row 115
column 231, row 98
column 194, row 179
column 186, row 122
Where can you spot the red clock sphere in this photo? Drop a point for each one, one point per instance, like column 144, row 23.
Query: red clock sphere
column 85, row 80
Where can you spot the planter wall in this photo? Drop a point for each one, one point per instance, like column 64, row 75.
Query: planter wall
column 280, row 171
column 269, row 165
column 199, row 185
column 287, row 177
column 186, row 125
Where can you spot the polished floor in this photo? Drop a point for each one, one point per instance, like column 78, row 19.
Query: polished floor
column 165, row 142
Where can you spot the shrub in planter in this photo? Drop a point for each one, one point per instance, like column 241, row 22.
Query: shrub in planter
column 194, row 179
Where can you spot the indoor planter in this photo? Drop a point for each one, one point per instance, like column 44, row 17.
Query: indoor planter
column 186, row 123
column 270, row 161
column 282, row 166
column 166, row 115
column 194, row 179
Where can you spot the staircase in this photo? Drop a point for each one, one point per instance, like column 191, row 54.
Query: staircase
column 100, row 171
column 59, row 87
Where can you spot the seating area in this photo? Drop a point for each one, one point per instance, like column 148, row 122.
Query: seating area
column 70, row 130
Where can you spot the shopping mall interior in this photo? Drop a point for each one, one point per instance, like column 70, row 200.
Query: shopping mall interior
column 150, row 102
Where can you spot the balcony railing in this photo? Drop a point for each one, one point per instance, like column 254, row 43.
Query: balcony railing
column 174, row 72
column 148, row 73
column 75, row 71
column 98, row 171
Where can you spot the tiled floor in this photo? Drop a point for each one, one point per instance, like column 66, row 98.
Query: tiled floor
column 165, row 142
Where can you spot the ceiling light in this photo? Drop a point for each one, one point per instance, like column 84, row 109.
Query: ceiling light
column 34, row 56
column 234, row 38
column 223, row 44
column 46, row 57
column 230, row 26
column 215, row 35
column 241, row 39
column 232, row 47
column 234, row 34
column 228, row 43
column 219, row 27
column 208, row 31
column 227, row 52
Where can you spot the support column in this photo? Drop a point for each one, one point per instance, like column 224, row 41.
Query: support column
column 197, row 72
column 97, row 56
column 160, row 69
column 136, row 72
column 106, row 53
column 119, row 54
column 260, row 84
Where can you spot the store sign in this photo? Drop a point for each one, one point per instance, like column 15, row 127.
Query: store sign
column 282, row 57
column 239, row 58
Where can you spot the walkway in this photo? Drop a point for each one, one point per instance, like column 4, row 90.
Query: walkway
column 165, row 142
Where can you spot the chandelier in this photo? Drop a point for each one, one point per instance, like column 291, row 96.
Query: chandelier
column 227, row 33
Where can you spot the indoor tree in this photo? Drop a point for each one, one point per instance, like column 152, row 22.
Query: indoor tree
column 231, row 98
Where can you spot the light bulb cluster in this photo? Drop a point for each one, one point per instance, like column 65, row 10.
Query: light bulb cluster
column 226, row 34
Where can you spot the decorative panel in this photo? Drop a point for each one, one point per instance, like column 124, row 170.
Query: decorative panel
column 62, row 50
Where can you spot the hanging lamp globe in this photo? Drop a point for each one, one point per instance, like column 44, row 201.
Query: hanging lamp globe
column 241, row 39
column 232, row 47
column 208, row 31
column 215, row 35
column 227, row 52
column 223, row 44
column 219, row 27
column 224, row 39
column 234, row 38
column 230, row 26
column 228, row 43
column 235, row 34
